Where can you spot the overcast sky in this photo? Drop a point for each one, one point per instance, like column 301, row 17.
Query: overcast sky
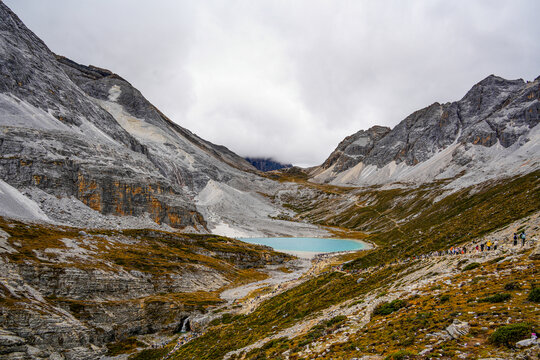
column 290, row 79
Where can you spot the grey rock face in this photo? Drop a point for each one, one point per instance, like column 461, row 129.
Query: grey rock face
column 30, row 72
column 97, row 83
column 526, row 343
column 119, row 185
column 82, row 131
column 494, row 111
column 355, row 148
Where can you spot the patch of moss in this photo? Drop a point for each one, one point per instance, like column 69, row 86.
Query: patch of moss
column 512, row 285
column 401, row 355
column 444, row 298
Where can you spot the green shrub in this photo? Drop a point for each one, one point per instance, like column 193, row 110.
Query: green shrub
column 335, row 320
column 496, row 260
column 444, row 298
column 510, row 334
column 497, row 298
column 424, row 315
column 513, row 285
column 388, row 308
column 400, row 355
column 534, row 294
column 471, row 266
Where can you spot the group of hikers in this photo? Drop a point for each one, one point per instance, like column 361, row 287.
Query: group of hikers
column 521, row 236
column 486, row 246
column 489, row 245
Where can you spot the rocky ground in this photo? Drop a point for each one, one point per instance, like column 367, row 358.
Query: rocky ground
column 67, row 293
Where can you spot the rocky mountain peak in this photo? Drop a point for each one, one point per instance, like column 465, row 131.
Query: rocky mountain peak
column 354, row 148
column 432, row 140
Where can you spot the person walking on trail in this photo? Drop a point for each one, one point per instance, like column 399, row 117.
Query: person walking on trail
column 488, row 244
column 522, row 236
column 482, row 247
column 515, row 239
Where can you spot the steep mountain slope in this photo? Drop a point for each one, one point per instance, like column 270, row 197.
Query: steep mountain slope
column 492, row 131
column 78, row 144
column 85, row 145
column 57, row 139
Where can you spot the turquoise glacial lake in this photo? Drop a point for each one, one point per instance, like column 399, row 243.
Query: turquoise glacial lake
column 308, row 245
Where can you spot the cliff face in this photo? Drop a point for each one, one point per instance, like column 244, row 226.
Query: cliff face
column 75, row 131
column 494, row 124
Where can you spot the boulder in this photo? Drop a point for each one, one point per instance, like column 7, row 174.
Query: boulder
column 458, row 329
column 526, row 343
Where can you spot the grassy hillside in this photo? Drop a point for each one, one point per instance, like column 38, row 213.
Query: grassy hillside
column 406, row 222
column 419, row 322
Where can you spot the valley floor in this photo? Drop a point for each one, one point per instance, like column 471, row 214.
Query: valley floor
column 446, row 308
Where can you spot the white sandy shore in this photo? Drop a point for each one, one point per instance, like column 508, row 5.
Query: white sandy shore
column 312, row 254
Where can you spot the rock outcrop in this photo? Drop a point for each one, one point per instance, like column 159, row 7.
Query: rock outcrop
column 458, row 329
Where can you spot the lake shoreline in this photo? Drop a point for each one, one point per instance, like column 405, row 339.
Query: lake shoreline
column 308, row 248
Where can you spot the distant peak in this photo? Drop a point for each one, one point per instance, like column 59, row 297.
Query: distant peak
column 266, row 164
column 494, row 80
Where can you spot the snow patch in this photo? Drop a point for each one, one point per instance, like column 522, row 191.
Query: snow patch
column 229, row 231
column 135, row 126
